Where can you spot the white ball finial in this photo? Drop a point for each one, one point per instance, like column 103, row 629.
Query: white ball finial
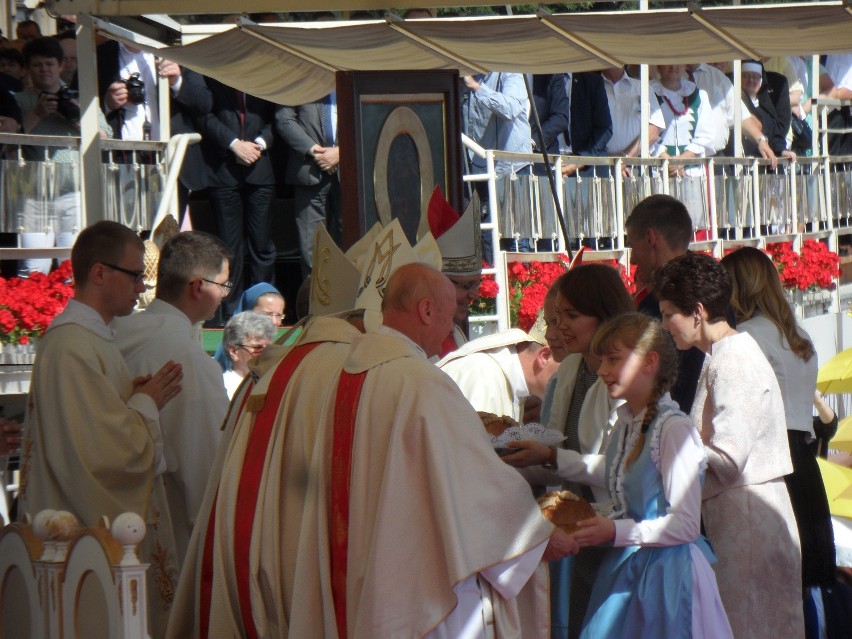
column 40, row 523
column 129, row 529
column 62, row 525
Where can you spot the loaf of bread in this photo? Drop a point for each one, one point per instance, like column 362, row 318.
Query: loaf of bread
column 564, row 509
column 494, row 424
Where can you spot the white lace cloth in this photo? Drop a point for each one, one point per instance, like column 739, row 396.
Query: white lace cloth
column 527, row 432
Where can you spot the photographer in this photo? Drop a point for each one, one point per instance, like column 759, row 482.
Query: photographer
column 49, row 107
column 127, row 82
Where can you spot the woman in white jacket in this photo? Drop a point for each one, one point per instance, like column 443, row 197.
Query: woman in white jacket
column 587, row 296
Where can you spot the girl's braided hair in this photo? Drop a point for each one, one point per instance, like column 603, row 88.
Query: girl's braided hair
column 641, row 334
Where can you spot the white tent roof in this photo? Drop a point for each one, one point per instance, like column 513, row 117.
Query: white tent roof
column 303, row 57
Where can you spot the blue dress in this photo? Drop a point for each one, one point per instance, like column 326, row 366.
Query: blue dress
column 647, row 591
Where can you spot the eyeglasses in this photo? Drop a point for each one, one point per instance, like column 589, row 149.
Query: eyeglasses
column 470, row 287
column 224, row 286
column 137, row 276
column 273, row 314
column 254, row 349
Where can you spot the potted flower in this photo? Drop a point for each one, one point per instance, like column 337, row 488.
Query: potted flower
column 529, row 281
column 808, row 275
column 27, row 306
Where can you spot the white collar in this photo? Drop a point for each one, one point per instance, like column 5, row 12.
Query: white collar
column 687, row 88
column 387, row 330
column 85, row 316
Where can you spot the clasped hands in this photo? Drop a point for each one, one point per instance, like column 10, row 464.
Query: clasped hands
column 247, row 152
column 326, row 157
column 163, row 385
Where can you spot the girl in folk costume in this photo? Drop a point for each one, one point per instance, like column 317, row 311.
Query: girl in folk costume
column 587, row 296
column 689, row 133
column 656, row 581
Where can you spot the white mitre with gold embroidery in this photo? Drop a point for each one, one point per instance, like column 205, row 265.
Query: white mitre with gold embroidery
column 390, row 250
column 459, row 238
column 336, row 275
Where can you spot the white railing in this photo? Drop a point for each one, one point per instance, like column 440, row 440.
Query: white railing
column 732, row 201
column 41, row 188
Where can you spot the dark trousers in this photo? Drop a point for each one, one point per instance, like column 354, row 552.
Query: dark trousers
column 314, row 205
column 244, row 216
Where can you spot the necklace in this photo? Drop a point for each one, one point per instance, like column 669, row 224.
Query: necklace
column 674, row 110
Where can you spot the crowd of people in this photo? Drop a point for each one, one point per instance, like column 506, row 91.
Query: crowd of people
column 355, row 450
column 341, row 483
column 252, row 149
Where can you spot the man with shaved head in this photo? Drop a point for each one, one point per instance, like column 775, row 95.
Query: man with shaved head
column 422, row 530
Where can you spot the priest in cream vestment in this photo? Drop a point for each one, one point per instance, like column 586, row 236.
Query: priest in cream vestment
column 92, row 442
column 211, row 599
column 433, row 536
column 249, row 547
column 190, row 265
column 497, row 373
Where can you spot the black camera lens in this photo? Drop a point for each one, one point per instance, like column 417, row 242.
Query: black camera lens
column 135, row 89
column 68, row 109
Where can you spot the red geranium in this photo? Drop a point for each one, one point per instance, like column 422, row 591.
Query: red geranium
column 28, row 305
column 529, row 282
column 815, row 267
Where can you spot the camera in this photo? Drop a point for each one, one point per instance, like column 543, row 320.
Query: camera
column 135, row 89
column 66, row 103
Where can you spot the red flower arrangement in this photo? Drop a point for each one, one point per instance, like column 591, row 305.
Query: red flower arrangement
column 528, row 286
column 814, row 268
column 28, row 305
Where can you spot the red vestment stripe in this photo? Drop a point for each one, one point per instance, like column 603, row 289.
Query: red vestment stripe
column 206, row 587
column 345, row 411
column 250, row 477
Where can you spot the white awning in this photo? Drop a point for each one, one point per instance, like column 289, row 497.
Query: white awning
column 295, row 63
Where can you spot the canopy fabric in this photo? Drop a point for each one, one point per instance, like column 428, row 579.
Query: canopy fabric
column 304, row 57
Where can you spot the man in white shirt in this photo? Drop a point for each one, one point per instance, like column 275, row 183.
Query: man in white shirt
column 127, row 79
column 623, row 94
column 192, row 280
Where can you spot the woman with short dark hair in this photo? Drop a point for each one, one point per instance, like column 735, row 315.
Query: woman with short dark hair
column 739, row 411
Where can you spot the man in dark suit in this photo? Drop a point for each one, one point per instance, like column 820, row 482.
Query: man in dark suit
column 590, row 125
column 312, row 162
column 237, row 133
column 550, row 92
column 190, row 101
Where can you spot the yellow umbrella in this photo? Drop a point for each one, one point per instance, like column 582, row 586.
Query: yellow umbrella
column 842, row 439
column 835, row 376
column 838, row 487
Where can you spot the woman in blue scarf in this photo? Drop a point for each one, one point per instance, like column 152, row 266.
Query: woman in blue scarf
column 261, row 298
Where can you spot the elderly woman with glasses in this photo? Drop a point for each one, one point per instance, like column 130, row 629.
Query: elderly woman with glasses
column 245, row 336
column 261, row 298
